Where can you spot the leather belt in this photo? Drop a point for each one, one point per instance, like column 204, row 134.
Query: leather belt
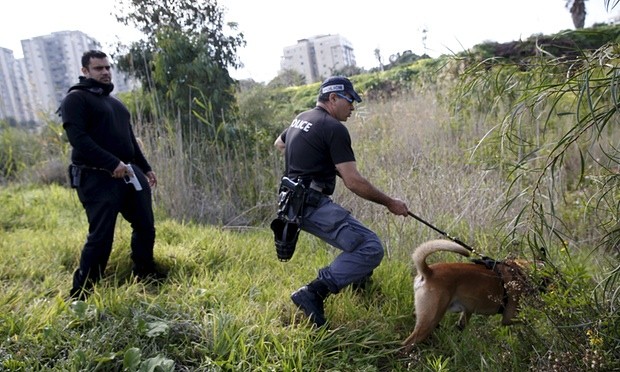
column 315, row 187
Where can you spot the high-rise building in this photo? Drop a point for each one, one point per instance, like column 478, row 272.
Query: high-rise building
column 8, row 86
column 53, row 64
column 31, row 88
column 25, row 93
column 318, row 57
column 15, row 102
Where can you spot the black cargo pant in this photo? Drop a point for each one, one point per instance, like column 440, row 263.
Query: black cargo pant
column 103, row 198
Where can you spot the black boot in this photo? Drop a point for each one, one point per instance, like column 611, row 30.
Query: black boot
column 309, row 299
column 82, row 285
column 78, row 294
column 149, row 273
column 362, row 284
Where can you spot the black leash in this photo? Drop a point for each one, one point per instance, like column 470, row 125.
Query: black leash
column 456, row 240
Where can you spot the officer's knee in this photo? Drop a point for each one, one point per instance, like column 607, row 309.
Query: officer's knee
column 373, row 250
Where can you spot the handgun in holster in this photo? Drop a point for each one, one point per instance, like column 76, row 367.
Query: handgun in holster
column 286, row 226
column 291, row 200
column 75, row 176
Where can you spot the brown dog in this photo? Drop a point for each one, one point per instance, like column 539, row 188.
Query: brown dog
column 467, row 288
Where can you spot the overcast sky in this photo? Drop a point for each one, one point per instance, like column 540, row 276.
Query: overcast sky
column 392, row 26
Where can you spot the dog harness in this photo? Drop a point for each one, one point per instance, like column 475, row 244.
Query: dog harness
column 492, row 264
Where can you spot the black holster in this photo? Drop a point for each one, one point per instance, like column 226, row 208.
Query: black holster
column 285, row 238
column 291, row 200
column 286, row 227
column 75, row 176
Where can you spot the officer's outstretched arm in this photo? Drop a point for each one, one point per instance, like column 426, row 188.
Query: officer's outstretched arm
column 359, row 185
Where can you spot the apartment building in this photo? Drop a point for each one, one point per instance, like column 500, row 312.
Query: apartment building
column 318, row 57
column 25, row 94
column 8, row 86
column 32, row 87
column 53, row 64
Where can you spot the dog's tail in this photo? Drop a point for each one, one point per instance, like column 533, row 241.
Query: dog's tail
column 431, row 246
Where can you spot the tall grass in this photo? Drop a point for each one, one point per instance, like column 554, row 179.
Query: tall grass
column 226, row 304
column 558, row 139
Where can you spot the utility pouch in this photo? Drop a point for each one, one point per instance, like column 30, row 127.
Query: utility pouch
column 75, row 176
column 285, row 236
column 313, row 198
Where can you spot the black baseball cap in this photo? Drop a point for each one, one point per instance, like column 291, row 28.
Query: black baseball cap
column 339, row 84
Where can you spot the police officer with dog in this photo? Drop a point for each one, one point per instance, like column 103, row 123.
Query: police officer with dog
column 317, row 148
column 110, row 173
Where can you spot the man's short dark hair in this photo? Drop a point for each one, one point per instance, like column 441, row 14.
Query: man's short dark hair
column 92, row 54
column 324, row 97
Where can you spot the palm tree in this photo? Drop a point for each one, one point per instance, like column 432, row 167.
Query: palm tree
column 578, row 12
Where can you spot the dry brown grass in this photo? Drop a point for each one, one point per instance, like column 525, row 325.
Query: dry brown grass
column 406, row 148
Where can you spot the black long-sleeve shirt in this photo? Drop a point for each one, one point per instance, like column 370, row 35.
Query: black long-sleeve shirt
column 99, row 128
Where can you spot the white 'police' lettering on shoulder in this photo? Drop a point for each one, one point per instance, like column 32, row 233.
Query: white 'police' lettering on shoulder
column 301, row 124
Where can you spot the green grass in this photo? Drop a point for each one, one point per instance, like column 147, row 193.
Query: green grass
column 226, row 306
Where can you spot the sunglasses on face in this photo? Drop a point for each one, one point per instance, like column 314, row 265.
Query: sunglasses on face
column 348, row 99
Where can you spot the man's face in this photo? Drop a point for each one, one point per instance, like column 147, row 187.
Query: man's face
column 98, row 69
column 342, row 106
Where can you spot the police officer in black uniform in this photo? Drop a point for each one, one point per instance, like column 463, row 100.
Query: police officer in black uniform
column 317, row 148
column 105, row 154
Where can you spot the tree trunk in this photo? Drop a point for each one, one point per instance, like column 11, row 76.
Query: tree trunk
column 578, row 13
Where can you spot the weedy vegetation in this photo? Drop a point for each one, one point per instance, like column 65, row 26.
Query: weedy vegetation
column 515, row 160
